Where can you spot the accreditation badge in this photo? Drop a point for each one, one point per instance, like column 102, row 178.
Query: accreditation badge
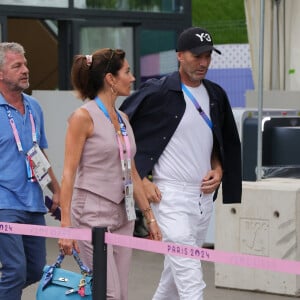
column 39, row 165
column 129, row 202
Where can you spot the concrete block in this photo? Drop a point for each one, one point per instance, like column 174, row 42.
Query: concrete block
column 265, row 224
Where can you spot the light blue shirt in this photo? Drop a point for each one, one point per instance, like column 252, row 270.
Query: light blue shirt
column 16, row 192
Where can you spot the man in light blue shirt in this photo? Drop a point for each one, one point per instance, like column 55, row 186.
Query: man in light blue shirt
column 22, row 258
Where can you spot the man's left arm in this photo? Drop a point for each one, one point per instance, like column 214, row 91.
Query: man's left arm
column 54, row 187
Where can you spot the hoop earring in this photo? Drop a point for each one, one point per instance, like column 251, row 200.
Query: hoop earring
column 113, row 91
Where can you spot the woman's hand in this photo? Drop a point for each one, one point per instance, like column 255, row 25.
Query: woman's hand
column 66, row 246
column 155, row 233
column 144, row 192
column 152, row 192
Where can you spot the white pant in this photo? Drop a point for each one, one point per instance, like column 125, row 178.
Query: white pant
column 183, row 216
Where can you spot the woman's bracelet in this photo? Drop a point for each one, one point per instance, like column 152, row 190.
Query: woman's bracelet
column 146, row 210
column 151, row 221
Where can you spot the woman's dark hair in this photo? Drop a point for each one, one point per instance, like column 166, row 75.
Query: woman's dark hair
column 88, row 71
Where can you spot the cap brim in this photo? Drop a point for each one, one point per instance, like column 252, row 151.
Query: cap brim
column 202, row 49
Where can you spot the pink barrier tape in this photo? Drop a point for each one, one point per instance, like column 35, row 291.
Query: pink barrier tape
column 250, row 261
column 46, row 231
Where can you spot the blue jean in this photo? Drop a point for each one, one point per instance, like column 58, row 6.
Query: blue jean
column 22, row 257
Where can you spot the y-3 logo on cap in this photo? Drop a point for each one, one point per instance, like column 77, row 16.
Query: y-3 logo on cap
column 204, row 36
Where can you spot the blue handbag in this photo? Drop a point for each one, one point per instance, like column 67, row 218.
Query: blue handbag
column 58, row 283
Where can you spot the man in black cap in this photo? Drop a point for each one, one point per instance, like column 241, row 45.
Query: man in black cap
column 187, row 144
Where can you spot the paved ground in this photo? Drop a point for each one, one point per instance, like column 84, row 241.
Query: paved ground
column 146, row 269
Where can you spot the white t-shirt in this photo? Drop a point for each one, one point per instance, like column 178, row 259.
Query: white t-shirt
column 187, row 157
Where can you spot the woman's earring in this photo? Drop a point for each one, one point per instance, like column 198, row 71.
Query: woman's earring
column 113, row 90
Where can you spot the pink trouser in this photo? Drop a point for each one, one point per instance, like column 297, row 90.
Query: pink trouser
column 90, row 210
column 183, row 216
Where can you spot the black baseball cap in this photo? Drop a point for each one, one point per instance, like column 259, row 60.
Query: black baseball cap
column 197, row 40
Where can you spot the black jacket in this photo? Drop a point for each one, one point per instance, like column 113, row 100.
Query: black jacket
column 155, row 111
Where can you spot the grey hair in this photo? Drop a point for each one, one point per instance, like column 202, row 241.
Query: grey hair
column 12, row 47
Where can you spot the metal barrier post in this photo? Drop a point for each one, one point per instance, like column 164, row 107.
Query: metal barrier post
column 99, row 263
